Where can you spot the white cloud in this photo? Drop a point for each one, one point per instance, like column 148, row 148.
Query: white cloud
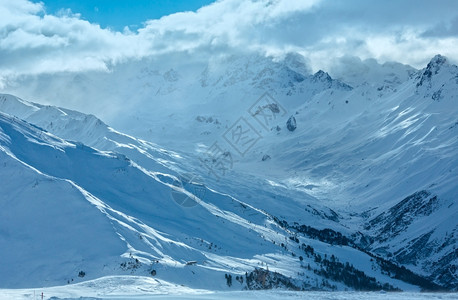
column 33, row 42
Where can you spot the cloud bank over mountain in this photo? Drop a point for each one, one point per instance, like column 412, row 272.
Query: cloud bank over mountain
column 411, row 32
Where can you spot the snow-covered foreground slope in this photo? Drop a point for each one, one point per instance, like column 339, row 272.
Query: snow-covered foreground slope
column 135, row 287
column 367, row 178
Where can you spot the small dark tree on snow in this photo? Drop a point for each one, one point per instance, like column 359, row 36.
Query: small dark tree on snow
column 239, row 279
column 228, row 279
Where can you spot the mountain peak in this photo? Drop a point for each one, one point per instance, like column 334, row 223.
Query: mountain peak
column 433, row 68
column 438, row 60
column 322, row 76
column 324, row 79
column 435, row 64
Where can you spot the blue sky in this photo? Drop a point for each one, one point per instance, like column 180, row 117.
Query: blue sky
column 117, row 14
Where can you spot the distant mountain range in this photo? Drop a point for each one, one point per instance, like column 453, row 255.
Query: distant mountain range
column 206, row 182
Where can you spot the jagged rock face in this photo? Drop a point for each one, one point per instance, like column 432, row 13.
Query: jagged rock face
column 291, row 123
column 397, row 218
column 322, row 76
column 327, row 81
column 435, row 65
column 432, row 68
column 429, row 251
column 438, row 80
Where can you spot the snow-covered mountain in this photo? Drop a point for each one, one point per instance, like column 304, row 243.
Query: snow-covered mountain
column 360, row 193
column 110, row 216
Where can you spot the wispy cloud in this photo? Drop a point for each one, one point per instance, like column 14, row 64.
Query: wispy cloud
column 408, row 31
